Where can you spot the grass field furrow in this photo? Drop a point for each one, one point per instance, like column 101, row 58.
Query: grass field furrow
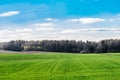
column 60, row 66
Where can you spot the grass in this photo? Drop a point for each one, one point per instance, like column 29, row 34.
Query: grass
column 53, row 66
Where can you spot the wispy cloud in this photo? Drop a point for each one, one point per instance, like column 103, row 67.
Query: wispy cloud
column 5, row 31
column 24, row 30
column 90, row 20
column 71, row 29
column 9, row 13
column 51, row 19
column 86, row 20
column 52, row 34
column 89, row 29
column 44, row 29
column 44, row 24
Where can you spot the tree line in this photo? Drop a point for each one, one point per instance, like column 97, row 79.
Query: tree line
column 72, row 46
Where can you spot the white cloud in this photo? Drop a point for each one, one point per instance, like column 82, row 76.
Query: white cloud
column 90, row 20
column 70, row 31
column 70, row 34
column 24, row 30
column 9, row 13
column 24, row 34
column 73, row 29
column 86, row 20
column 51, row 33
column 44, row 24
column 5, row 31
column 50, row 19
column 101, row 29
column 44, row 29
column 89, row 29
column 72, row 20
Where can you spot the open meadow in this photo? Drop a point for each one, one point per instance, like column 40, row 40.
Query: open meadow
column 59, row 66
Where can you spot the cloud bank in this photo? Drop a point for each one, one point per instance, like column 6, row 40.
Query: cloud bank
column 62, row 29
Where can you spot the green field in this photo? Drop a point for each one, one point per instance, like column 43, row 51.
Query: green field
column 59, row 66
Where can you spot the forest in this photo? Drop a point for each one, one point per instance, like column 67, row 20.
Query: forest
column 71, row 46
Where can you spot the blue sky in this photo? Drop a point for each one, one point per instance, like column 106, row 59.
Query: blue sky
column 62, row 8
column 59, row 19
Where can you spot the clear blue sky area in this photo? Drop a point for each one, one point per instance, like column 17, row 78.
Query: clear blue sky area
column 66, row 8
